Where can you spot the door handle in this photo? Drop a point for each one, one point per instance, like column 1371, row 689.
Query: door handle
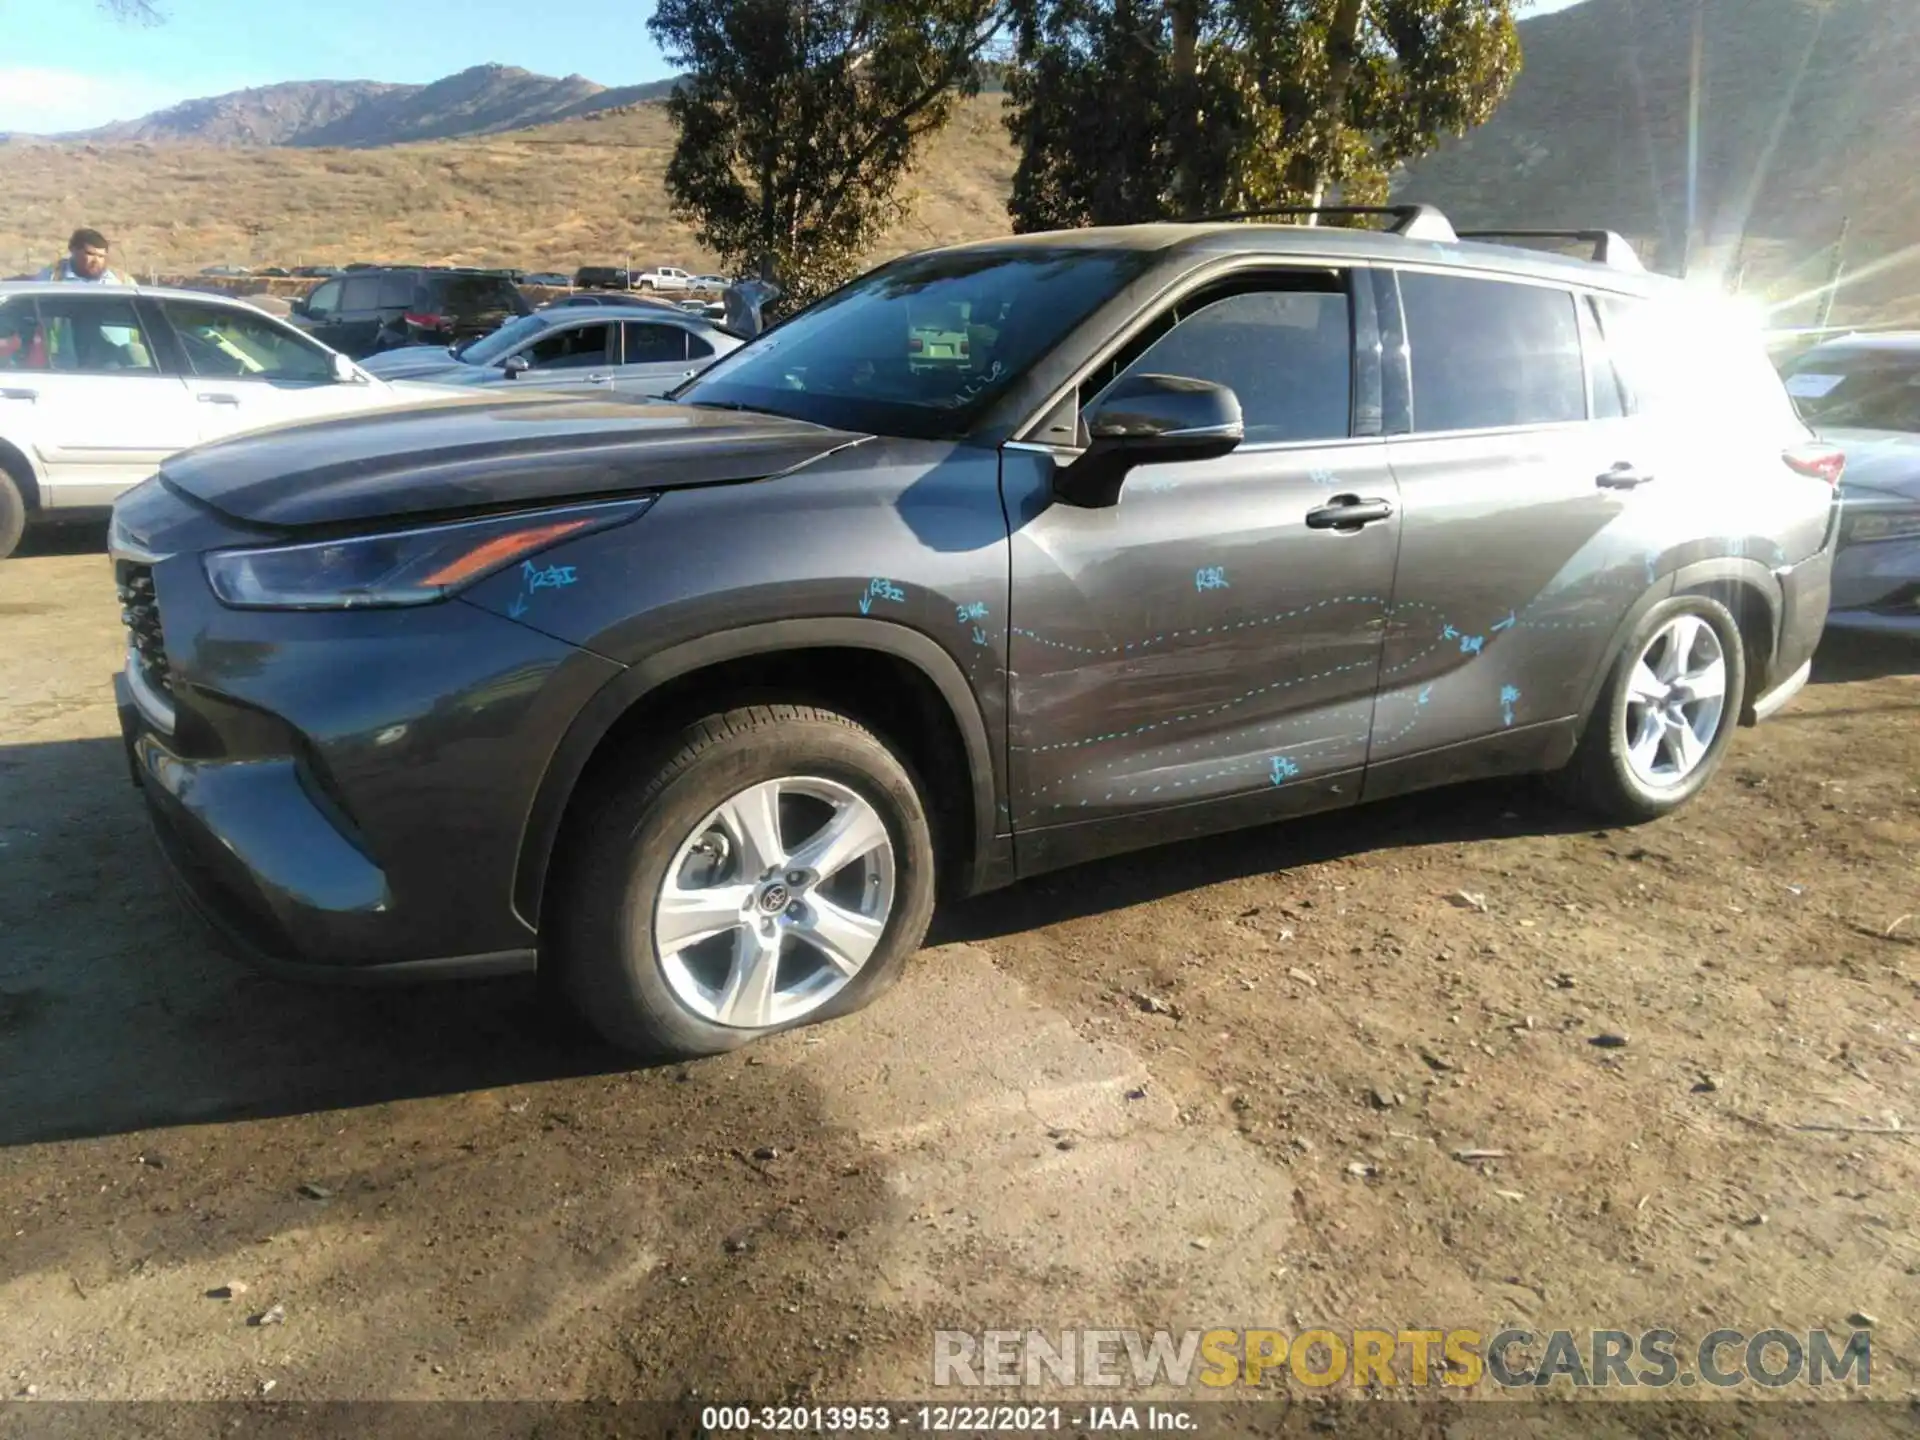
column 1622, row 477
column 219, row 399
column 27, row 395
column 1348, row 512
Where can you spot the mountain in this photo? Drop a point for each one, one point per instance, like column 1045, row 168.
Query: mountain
column 1807, row 117
column 359, row 114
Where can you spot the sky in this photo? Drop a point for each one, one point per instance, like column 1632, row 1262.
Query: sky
column 66, row 65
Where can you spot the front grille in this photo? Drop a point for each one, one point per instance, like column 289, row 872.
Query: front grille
column 140, row 611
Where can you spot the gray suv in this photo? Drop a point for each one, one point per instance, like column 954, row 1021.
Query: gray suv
column 697, row 704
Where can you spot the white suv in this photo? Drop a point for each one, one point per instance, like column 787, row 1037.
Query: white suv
column 100, row 383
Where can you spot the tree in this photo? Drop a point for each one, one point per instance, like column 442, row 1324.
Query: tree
column 143, row 12
column 798, row 118
column 1131, row 110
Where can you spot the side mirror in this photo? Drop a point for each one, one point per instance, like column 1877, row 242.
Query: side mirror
column 297, row 306
column 1150, row 420
column 515, row 366
column 345, row 372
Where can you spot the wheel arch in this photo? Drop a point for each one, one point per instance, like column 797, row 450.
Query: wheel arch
column 1745, row 587
column 933, row 718
column 17, row 463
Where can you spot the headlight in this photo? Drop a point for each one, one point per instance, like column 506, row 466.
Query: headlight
column 1884, row 525
column 401, row 567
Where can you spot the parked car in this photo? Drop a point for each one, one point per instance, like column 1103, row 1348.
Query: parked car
column 618, row 298
column 99, row 384
column 546, row 279
column 369, row 311
column 644, row 350
column 315, row 272
column 701, row 701
column 1862, row 392
column 662, row 277
column 711, row 282
column 602, row 277
column 226, row 270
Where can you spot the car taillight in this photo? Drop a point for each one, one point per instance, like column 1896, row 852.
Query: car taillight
column 1817, row 462
column 915, row 344
column 428, row 322
column 965, row 348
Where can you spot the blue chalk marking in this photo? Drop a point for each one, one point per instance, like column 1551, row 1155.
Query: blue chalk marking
column 1426, row 694
column 553, row 577
column 1508, row 623
column 976, row 611
column 1509, row 697
column 979, row 636
column 1447, row 632
column 1210, row 577
column 866, row 604
column 1323, row 477
column 1472, row 644
column 1282, row 770
column 886, row 590
column 518, row 607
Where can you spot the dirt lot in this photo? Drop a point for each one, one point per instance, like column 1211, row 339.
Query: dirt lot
column 1223, row 1084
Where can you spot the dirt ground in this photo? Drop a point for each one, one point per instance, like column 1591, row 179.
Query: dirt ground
column 1223, row 1084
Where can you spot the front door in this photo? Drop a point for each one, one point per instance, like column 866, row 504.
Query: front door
column 246, row 371
column 1208, row 638
column 94, row 398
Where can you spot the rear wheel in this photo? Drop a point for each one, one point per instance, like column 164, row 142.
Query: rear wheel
column 774, row 870
column 1667, row 714
column 13, row 513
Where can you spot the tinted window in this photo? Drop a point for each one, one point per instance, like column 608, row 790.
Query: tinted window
column 698, row 347
column 360, row 294
column 396, row 292
column 466, row 293
column 654, row 344
column 1287, row 354
column 93, row 336
column 847, row 360
column 325, row 300
column 233, row 345
column 1865, row 390
column 568, row 349
column 1487, row 353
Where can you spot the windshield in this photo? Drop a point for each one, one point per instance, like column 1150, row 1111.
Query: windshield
column 922, row 346
column 1858, row 391
column 491, row 349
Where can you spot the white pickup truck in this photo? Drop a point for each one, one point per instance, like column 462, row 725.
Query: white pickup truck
column 664, row 277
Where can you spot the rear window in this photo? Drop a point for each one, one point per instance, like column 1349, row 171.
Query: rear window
column 1864, row 390
column 470, row 292
column 1690, row 359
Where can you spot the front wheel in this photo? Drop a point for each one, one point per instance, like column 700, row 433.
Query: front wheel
column 13, row 514
column 1667, row 714
column 773, row 870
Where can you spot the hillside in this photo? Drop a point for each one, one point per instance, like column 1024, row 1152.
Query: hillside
column 484, row 100
column 583, row 191
column 1808, row 113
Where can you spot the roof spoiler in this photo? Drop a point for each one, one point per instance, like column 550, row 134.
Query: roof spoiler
column 1609, row 248
column 1415, row 222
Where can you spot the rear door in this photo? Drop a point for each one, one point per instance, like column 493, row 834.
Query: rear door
column 355, row 324
column 87, row 389
column 655, row 357
column 1523, row 541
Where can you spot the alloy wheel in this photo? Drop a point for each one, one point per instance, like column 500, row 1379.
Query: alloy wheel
column 1676, row 696
column 775, row 902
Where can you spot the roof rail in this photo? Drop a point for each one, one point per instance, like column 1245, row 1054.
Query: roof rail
column 1416, row 222
column 1609, row 248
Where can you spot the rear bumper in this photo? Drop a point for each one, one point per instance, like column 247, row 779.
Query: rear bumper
column 1806, row 591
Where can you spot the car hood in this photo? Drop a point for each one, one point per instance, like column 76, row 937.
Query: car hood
column 410, row 362
column 457, row 453
column 1882, row 465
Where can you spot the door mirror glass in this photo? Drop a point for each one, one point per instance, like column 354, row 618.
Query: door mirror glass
column 344, row 371
column 1150, row 419
column 516, row 366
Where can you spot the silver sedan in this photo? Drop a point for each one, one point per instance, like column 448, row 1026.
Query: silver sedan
column 634, row 349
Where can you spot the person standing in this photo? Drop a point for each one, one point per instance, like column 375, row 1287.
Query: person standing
column 86, row 261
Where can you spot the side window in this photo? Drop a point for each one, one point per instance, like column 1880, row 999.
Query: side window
column 1286, row 352
column 654, row 344
column 360, row 294
column 698, row 347
column 571, row 349
column 233, row 345
column 398, row 292
column 1491, row 353
column 94, row 336
column 22, row 346
column 325, row 300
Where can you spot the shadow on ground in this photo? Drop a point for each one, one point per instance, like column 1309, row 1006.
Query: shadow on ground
column 66, row 537
column 1845, row 656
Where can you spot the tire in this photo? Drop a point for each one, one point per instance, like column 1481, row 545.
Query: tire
column 667, row 824
column 13, row 513
column 1609, row 773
